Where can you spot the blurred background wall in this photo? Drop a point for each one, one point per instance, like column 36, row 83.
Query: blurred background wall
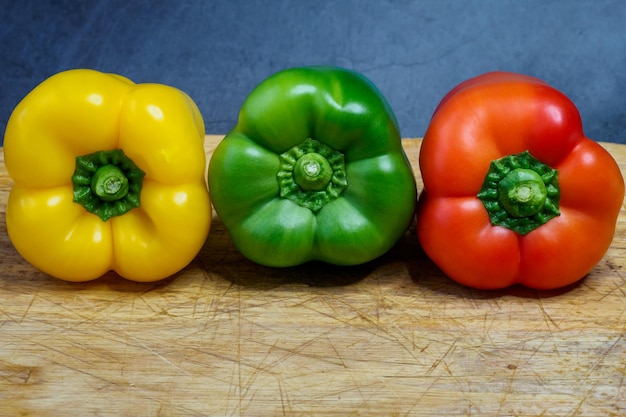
column 414, row 51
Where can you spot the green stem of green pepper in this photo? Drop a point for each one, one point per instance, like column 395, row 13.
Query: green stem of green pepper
column 312, row 174
column 107, row 183
column 520, row 193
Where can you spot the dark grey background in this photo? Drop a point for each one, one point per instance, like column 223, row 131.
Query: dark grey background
column 415, row 51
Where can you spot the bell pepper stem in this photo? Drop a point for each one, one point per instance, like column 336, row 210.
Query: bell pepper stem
column 312, row 174
column 520, row 193
column 107, row 183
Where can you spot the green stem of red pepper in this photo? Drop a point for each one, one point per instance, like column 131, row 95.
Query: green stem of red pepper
column 520, row 193
column 107, row 183
column 312, row 174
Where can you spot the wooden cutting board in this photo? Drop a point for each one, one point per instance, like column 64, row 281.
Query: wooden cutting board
column 226, row 337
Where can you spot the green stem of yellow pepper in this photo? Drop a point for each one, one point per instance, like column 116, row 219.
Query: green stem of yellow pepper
column 107, row 183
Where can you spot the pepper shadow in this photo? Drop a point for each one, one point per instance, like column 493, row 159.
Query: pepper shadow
column 220, row 257
column 429, row 276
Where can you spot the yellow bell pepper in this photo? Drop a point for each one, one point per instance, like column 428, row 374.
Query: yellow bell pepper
column 108, row 175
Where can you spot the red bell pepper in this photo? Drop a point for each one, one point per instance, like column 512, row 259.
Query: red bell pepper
column 514, row 192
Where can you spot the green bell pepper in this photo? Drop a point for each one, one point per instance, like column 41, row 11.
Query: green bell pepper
column 313, row 170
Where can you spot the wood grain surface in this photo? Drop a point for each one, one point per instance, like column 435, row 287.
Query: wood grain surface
column 226, row 337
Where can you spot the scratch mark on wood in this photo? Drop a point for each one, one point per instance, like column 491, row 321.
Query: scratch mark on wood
column 603, row 356
column 438, row 361
column 547, row 318
column 577, row 409
column 30, row 304
column 285, row 403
